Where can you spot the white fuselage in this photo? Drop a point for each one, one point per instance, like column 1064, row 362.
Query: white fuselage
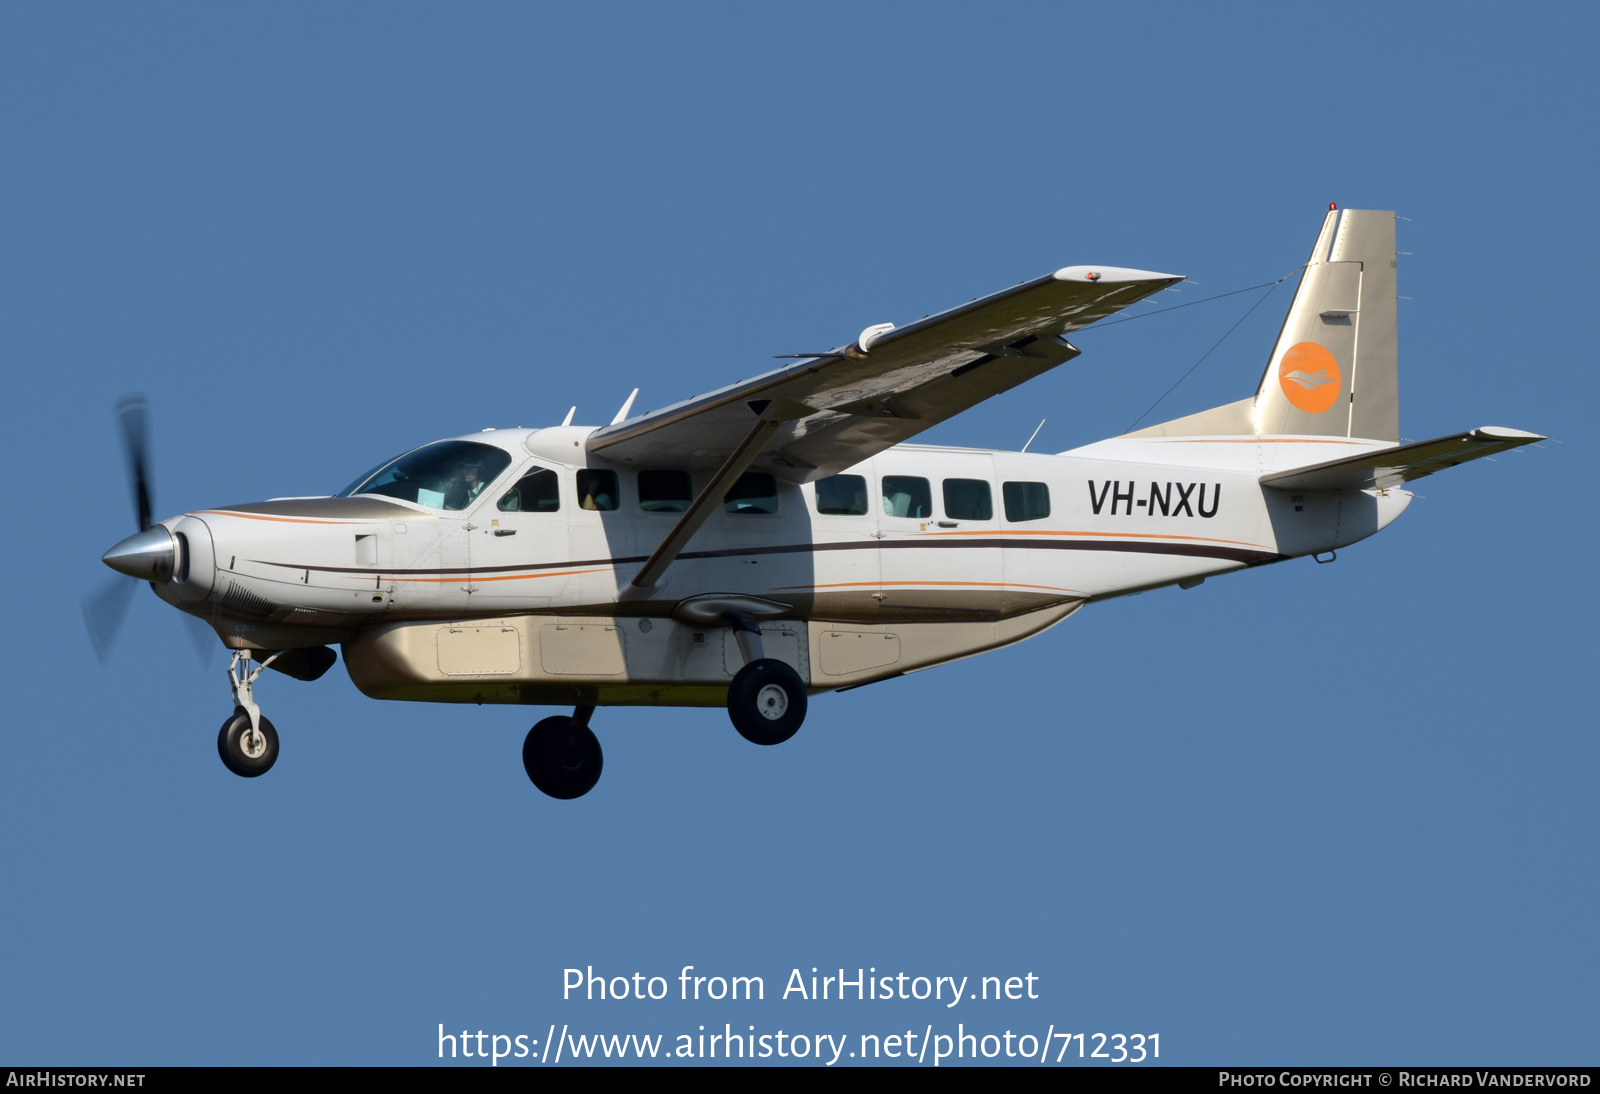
column 1105, row 520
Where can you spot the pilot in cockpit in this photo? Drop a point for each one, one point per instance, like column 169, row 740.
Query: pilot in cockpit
column 465, row 487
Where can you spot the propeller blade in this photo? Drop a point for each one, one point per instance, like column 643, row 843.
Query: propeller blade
column 203, row 637
column 104, row 611
column 133, row 415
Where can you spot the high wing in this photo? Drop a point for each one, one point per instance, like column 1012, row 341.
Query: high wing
column 837, row 409
column 1392, row 466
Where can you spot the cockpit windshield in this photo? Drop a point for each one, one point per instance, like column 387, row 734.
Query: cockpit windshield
column 442, row 475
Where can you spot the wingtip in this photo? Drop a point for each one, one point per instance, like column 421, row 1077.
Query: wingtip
column 1112, row 274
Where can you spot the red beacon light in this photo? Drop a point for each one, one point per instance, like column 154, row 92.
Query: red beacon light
column 1332, row 206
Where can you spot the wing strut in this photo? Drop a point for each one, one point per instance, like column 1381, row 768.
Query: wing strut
column 737, row 463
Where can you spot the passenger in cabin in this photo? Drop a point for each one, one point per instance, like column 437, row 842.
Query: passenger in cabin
column 598, row 490
column 907, row 496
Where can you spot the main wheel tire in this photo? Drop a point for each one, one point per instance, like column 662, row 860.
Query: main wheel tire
column 767, row 702
column 563, row 760
column 234, row 747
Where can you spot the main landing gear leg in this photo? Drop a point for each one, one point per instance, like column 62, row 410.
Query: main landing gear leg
column 767, row 699
column 247, row 742
column 562, row 755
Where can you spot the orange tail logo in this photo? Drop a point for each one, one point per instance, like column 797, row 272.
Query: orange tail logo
column 1310, row 377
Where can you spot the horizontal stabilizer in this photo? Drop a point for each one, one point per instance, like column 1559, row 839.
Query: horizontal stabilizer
column 1392, row 466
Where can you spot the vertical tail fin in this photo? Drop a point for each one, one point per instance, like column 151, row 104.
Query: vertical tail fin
column 1334, row 369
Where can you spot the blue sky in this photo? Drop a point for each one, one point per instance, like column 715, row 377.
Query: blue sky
column 1335, row 814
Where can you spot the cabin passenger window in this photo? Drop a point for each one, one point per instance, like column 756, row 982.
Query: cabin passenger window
column 1026, row 500
column 597, row 490
column 842, row 496
column 665, row 491
column 906, row 496
column 536, row 492
column 755, row 492
column 968, row 499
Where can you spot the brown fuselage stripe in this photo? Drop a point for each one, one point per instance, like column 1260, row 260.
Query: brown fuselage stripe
column 1095, row 535
column 1144, row 547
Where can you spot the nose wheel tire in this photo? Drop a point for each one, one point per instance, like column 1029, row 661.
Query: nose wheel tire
column 243, row 753
column 562, row 758
column 767, row 702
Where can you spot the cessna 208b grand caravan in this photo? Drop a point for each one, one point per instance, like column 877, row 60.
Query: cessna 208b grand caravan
column 778, row 539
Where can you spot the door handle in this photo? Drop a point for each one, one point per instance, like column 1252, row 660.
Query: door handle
column 505, row 531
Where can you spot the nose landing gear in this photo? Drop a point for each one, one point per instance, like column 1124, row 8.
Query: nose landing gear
column 247, row 742
column 245, row 750
column 562, row 755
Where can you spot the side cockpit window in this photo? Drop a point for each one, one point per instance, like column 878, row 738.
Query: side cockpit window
column 536, row 492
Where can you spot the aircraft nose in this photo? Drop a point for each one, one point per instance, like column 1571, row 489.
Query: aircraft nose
column 148, row 556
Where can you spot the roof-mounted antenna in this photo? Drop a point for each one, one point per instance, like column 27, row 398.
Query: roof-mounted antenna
column 627, row 406
column 1035, row 433
column 568, row 419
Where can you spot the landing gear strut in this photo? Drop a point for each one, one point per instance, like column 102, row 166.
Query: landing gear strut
column 247, row 742
column 767, row 699
column 562, row 755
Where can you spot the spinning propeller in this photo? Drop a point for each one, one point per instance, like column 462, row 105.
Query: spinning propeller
column 148, row 555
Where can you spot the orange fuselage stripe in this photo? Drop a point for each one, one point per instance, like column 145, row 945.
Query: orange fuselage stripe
column 288, row 520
